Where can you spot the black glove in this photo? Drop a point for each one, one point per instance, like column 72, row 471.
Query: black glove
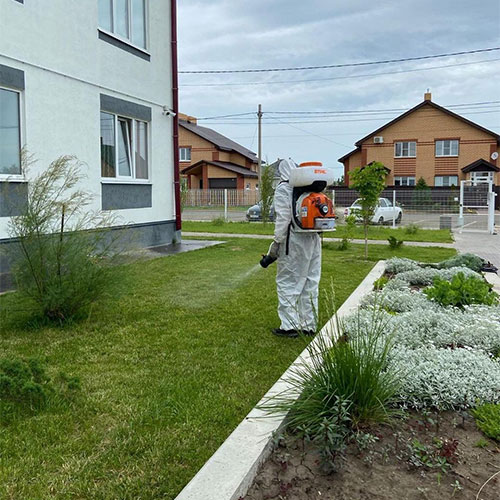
column 272, row 255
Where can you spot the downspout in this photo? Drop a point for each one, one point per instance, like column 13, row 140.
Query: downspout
column 175, row 108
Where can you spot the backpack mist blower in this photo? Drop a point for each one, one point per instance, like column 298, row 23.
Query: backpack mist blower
column 312, row 210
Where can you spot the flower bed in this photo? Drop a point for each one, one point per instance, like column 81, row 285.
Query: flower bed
column 446, row 360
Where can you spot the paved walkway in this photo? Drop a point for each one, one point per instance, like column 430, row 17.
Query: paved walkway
column 269, row 236
column 483, row 244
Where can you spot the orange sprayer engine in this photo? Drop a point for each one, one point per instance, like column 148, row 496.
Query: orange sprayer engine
column 313, row 210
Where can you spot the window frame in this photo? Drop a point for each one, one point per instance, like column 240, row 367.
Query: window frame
column 407, row 178
column 442, row 155
column 180, row 155
column 20, row 106
column 449, row 184
column 128, row 41
column 132, row 149
column 396, row 143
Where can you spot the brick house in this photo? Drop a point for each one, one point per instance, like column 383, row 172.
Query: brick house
column 432, row 142
column 210, row 160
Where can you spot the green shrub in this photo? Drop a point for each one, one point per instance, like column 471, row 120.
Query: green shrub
column 461, row 291
column 411, row 229
column 349, row 228
column 26, row 387
column 488, row 419
column 394, row 243
column 380, row 283
column 218, row 221
column 60, row 266
column 463, row 260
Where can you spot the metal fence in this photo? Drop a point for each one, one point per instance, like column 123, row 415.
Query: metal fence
column 430, row 208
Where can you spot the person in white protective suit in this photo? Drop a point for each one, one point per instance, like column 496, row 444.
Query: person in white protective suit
column 299, row 264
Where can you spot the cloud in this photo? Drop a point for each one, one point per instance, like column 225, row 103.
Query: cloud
column 234, row 34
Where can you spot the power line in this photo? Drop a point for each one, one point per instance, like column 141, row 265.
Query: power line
column 345, row 65
column 379, row 118
column 366, row 75
column 345, row 111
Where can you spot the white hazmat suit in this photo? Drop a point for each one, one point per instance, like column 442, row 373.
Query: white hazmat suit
column 299, row 261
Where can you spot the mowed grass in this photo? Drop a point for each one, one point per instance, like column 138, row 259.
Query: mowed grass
column 374, row 232
column 168, row 367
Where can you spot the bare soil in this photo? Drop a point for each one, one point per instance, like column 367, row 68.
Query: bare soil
column 391, row 467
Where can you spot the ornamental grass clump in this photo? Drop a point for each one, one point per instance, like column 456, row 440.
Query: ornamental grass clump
column 461, row 291
column 61, row 263
column 351, row 372
column 488, row 419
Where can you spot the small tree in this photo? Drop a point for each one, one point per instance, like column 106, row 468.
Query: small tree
column 369, row 181
column 266, row 192
column 61, row 261
column 422, row 194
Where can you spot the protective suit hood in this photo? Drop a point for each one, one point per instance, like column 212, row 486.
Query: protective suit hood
column 284, row 169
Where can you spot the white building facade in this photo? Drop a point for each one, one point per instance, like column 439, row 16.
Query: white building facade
column 94, row 79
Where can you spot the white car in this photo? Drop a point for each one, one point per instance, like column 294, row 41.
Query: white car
column 385, row 211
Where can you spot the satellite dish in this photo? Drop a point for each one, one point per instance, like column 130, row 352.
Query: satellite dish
column 494, row 155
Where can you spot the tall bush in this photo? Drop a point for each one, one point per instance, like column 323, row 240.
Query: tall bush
column 369, row 181
column 266, row 192
column 61, row 262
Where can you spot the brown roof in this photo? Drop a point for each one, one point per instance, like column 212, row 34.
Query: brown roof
column 233, row 167
column 221, row 141
column 481, row 165
column 415, row 108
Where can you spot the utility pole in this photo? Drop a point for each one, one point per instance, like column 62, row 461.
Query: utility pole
column 259, row 116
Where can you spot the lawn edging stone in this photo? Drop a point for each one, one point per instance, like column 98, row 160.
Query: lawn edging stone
column 231, row 470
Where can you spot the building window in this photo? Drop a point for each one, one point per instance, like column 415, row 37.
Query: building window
column 447, row 148
column 124, row 147
column 445, row 180
column 10, row 133
column 185, row 154
column 405, row 149
column 404, row 181
column 125, row 18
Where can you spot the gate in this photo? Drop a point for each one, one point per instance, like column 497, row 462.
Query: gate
column 477, row 205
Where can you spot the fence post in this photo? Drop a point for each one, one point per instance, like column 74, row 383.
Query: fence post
column 491, row 208
column 393, row 209
column 460, row 221
column 225, row 204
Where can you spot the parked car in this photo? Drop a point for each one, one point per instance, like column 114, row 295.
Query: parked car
column 385, row 211
column 254, row 213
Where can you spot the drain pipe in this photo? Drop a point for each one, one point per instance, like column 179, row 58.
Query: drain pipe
column 175, row 108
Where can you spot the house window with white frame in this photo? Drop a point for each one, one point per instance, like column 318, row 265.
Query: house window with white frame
column 448, row 147
column 185, row 154
column 125, row 18
column 405, row 149
column 446, row 180
column 404, row 181
column 10, row 132
column 124, row 147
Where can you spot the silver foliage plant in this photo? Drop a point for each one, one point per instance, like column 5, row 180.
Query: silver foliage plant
column 450, row 356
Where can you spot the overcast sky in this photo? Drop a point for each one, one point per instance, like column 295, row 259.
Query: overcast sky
column 242, row 34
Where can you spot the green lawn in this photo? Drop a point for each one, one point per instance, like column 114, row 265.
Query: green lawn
column 168, row 369
column 374, row 232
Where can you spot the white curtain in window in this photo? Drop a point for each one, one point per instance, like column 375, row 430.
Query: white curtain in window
column 10, row 143
column 121, row 18
column 139, row 23
column 141, row 155
column 124, row 164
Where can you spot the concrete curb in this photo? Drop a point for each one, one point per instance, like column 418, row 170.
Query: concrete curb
column 494, row 280
column 326, row 238
column 230, row 471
